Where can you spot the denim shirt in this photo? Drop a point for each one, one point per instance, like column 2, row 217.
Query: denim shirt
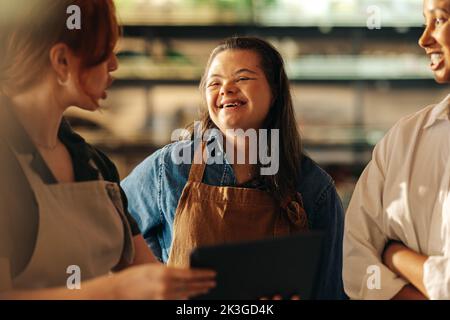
column 155, row 186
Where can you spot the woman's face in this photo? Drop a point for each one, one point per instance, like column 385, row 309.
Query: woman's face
column 436, row 37
column 93, row 84
column 237, row 91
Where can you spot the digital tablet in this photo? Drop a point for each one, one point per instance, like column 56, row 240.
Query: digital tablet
column 250, row 270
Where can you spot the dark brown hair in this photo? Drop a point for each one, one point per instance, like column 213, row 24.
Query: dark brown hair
column 28, row 30
column 281, row 115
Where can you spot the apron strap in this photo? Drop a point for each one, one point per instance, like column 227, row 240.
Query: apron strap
column 25, row 162
column 198, row 165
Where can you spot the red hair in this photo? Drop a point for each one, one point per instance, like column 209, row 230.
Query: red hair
column 29, row 29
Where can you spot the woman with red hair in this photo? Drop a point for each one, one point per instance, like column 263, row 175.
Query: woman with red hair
column 63, row 220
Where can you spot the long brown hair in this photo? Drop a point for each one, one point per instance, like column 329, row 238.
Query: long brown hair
column 28, row 30
column 281, row 115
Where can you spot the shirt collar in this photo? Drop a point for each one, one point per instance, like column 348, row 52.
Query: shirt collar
column 214, row 139
column 215, row 145
column 12, row 129
column 15, row 135
column 17, row 138
column 440, row 112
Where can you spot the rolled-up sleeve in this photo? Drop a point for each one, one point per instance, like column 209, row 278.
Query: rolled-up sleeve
column 143, row 190
column 365, row 276
column 436, row 277
column 331, row 219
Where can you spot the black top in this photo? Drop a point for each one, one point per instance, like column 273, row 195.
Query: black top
column 19, row 210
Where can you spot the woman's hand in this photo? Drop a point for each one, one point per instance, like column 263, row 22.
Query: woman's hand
column 158, row 282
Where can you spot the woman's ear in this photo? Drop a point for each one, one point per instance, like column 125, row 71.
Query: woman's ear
column 59, row 59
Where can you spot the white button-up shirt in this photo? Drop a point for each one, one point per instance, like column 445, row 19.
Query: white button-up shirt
column 403, row 194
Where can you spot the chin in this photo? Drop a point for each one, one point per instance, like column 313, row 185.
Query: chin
column 442, row 76
column 232, row 126
column 442, row 80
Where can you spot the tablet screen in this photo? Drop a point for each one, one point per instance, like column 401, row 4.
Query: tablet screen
column 250, row 270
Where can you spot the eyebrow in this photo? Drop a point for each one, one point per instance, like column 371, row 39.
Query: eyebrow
column 438, row 9
column 236, row 73
column 245, row 70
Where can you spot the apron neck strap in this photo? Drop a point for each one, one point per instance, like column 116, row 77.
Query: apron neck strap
column 198, row 165
column 95, row 166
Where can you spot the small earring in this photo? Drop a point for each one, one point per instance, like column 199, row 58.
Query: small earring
column 63, row 83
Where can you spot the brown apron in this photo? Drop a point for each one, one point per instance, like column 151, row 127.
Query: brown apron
column 210, row 215
column 80, row 224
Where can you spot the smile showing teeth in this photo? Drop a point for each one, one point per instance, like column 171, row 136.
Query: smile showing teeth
column 232, row 104
column 436, row 58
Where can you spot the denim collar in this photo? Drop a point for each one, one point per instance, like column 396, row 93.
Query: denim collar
column 218, row 165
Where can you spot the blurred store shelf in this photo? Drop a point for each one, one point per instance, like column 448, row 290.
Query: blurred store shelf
column 304, row 13
column 350, row 80
column 313, row 67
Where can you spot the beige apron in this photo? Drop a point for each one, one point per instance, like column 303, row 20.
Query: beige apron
column 80, row 224
column 209, row 215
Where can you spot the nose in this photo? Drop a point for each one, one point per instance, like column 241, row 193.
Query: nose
column 113, row 63
column 228, row 87
column 427, row 39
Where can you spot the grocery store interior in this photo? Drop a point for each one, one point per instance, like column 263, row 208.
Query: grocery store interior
column 352, row 79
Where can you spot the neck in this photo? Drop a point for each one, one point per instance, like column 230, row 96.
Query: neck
column 241, row 146
column 40, row 112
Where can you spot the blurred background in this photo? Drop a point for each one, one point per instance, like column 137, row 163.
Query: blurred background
column 350, row 83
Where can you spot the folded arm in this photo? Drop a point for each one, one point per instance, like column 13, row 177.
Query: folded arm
column 409, row 265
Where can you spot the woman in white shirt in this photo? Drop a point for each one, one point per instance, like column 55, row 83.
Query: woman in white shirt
column 397, row 237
